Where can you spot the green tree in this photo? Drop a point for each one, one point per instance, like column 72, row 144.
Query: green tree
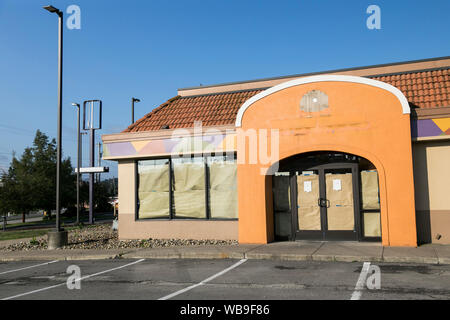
column 30, row 183
column 16, row 193
column 102, row 195
column 44, row 175
column 44, row 172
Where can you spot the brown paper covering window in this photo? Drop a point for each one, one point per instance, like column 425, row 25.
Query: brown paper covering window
column 153, row 191
column 153, row 205
column 341, row 214
column 372, row 224
column 223, row 190
column 369, row 188
column 189, row 176
column 308, row 209
column 189, row 193
column 190, row 204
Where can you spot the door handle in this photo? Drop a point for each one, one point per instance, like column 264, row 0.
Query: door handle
column 323, row 203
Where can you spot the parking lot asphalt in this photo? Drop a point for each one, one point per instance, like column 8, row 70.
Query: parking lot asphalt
column 225, row 279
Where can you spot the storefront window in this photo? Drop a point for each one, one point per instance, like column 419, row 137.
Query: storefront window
column 189, row 187
column 153, row 189
column 370, row 203
column 222, row 187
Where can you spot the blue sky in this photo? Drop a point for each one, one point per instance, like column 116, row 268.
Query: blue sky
column 148, row 49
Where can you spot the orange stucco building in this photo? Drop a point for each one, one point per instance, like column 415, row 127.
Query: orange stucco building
column 357, row 154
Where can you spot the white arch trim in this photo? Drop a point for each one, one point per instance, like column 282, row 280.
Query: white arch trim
column 323, row 78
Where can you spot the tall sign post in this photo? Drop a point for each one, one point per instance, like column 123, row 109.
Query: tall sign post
column 4, row 213
column 58, row 238
column 92, row 120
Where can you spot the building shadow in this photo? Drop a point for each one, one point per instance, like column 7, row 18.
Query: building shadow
column 421, row 186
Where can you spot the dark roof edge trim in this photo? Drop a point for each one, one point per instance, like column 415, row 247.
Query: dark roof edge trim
column 265, row 88
column 317, row 73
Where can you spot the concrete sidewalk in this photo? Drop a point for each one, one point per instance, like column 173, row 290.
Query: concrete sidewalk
column 296, row 251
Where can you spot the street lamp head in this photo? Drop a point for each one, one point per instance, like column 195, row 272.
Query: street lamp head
column 136, row 100
column 52, row 9
column 76, row 104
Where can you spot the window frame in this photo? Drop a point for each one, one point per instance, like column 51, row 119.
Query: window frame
column 362, row 210
column 136, row 189
column 172, row 215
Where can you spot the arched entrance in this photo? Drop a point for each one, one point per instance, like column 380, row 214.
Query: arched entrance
column 354, row 115
column 326, row 195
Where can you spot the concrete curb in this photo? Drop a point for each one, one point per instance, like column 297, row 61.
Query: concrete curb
column 349, row 259
column 251, row 253
column 63, row 258
column 288, row 257
column 443, row 260
column 187, row 255
column 280, row 257
column 346, row 258
column 420, row 260
column 61, row 255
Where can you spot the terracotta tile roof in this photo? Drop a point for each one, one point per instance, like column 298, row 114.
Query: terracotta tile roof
column 427, row 89
column 181, row 112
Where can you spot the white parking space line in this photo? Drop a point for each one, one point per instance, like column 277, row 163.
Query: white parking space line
column 204, row 281
column 37, row 265
column 80, row 279
column 361, row 282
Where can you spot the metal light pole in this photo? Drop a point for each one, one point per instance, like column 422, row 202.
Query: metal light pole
column 82, row 133
column 4, row 213
column 59, row 237
column 81, row 160
column 91, row 175
column 133, row 100
column 78, row 160
column 89, row 125
column 99, row 160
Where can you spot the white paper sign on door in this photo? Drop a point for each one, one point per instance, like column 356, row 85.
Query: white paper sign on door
column 337, row 184
column 307, row 186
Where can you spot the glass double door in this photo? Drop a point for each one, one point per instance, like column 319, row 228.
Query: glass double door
column 325, row 202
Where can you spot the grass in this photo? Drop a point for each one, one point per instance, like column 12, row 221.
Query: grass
column 10, row 235
column 53, row 219
column 24, row 224
column 33, row 233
